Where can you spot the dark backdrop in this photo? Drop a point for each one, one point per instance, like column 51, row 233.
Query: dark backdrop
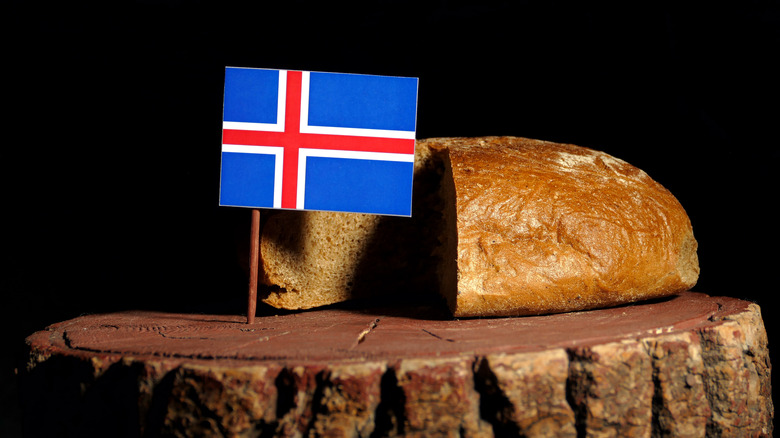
column 111, row 139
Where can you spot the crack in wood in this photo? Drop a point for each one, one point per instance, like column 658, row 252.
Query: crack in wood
column 437, row 336
column 362, row 335
column 182, row 337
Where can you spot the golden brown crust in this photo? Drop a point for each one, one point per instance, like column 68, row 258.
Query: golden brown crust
column 545, row 227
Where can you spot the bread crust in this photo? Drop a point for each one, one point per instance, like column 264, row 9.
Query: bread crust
column 544, row 227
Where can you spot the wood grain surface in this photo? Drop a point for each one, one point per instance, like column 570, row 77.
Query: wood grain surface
column 686, row 366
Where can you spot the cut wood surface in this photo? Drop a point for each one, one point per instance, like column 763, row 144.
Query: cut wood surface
column 691, row 365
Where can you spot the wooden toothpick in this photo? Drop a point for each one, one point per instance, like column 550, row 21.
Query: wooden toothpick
column 254, row 261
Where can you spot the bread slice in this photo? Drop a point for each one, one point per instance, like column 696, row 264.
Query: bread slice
column 314, row 258
column 500, row 226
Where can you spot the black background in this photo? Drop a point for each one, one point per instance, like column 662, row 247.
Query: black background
column 111, row 135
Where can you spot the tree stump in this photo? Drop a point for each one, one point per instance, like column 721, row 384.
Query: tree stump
column 691, row 365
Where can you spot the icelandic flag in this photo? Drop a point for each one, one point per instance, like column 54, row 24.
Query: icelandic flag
column 318, row 141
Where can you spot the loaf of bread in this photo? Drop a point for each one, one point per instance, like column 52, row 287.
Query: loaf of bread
column 500, row 226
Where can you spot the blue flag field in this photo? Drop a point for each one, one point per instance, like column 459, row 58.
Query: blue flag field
column 318, row 141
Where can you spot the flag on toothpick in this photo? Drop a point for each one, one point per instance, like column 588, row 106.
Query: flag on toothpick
column 318, row 141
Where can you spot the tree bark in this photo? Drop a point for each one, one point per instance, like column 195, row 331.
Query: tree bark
column 691, row 365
